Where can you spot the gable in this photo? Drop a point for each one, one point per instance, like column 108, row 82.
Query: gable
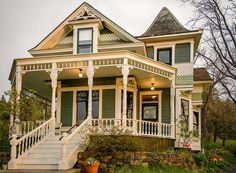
column 59, row 36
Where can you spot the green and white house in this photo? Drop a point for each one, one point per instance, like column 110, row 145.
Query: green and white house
column 97, row 75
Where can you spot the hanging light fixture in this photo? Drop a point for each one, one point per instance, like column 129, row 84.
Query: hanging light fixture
column 80, row 73
column 152, row 87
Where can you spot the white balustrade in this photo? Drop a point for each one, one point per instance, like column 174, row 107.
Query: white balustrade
column 78, row 139
column 26, row 142
column 27, row 126
column 136, row 127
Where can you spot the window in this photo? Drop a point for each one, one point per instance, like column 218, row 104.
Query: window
column 184, row 107
column 150, row 52
column 85, row 40
column 195, row 120
column 82, row 105
column 164, row 55
column 182, row 53
column 185, row 110
column 150, row 107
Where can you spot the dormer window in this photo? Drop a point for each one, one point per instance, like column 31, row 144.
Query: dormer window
column 85, row 40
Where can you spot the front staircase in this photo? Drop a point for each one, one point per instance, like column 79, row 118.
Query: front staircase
column 42, row 149
column 46, row 155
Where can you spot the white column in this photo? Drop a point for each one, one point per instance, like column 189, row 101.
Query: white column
column 90, row 74
column 53, row 76
column 125, row 73
column 172, row 104
column 58, row 116
column 18, row 87
column 192, row 51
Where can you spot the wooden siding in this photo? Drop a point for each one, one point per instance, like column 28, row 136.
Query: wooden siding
column 66, row 108
column 108, row 103
column 166, row 105
column 150, row 52
column 151, row 144
column 148, row 144
column 84, row 82
column 182, row 53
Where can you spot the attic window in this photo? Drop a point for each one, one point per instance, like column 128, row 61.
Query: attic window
column 85, row 40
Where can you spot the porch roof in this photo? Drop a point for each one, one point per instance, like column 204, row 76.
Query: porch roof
column 112, row 58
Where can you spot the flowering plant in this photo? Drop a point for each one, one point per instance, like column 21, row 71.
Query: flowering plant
column 91, row 160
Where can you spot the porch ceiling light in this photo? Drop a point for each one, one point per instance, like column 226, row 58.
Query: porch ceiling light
column 152, row 87
column 80, row 73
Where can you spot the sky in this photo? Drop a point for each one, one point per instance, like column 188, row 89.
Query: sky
column 24, row 23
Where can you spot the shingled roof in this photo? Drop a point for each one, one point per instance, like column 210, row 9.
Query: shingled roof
column 201, row 74
column 164, row 24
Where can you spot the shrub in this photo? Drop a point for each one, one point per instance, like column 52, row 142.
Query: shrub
column 112, row 140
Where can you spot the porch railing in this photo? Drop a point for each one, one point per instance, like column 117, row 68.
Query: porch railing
column 29, row 140
column 27, row 126
column 136, row 127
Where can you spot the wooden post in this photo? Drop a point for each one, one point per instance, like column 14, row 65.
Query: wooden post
column 13, row 143
column 90, row 74
column 125, row 73
column 172, row 104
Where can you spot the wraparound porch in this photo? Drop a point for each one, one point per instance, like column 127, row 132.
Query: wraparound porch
column 134, row 75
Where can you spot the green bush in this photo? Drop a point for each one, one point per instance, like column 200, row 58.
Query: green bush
column 117, row 140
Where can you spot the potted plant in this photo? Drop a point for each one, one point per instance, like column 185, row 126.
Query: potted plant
column 91, row 165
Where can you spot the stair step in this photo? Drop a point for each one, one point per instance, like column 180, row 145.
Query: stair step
column 44, row 155
column 37, row 166
column 43, row 161
column 49, row 146
column 46, row 150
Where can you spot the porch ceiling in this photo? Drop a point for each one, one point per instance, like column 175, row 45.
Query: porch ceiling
column 36, row 81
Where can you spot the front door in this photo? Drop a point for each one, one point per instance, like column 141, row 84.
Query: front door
column 149, row 107
column 82, row 105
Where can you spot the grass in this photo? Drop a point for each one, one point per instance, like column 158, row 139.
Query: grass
column 158, row 169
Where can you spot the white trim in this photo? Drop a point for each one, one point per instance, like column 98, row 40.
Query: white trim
column 74, row 108
column 171, row 35
column 159, row 93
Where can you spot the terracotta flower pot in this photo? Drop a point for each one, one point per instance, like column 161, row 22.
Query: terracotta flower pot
column 92, row 168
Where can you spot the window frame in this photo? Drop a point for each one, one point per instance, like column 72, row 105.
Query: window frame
column 77, row 43
column 164, row 49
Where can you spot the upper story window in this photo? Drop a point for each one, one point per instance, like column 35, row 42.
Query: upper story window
column 164, row 55
column 85, row 40
column 182, row 53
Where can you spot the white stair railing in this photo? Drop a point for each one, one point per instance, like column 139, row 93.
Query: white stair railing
column 27, row 126
column 72, row 143
column 25, row 143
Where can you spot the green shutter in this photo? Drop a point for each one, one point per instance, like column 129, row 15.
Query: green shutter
column 150, row 52
column 66, row 108
column 166, row 105
column 182, row 53
column 108, row 103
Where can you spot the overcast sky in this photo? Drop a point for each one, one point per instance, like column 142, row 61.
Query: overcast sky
column 24, row 23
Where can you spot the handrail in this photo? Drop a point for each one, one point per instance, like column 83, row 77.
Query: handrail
column 78, row 139
column 75, row 125
column 26, row 142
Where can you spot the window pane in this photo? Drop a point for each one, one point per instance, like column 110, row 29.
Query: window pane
column 84, row 49
column 184, row 107
column 85, row 35
column 164, row 56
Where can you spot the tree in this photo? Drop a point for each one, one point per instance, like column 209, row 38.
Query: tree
column 220, row 118
column 217, row 17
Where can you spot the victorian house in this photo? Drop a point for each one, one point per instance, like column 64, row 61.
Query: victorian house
column 93, row 73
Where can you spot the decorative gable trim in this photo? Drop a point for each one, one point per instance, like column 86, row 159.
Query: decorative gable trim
column 83, row 12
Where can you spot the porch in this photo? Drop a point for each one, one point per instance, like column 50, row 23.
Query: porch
column 93, row 91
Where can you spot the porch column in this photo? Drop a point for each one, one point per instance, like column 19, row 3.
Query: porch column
column 18, row 87
column 172, row 104
column 90, row 74
column 53, row 76
column 125, row 73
